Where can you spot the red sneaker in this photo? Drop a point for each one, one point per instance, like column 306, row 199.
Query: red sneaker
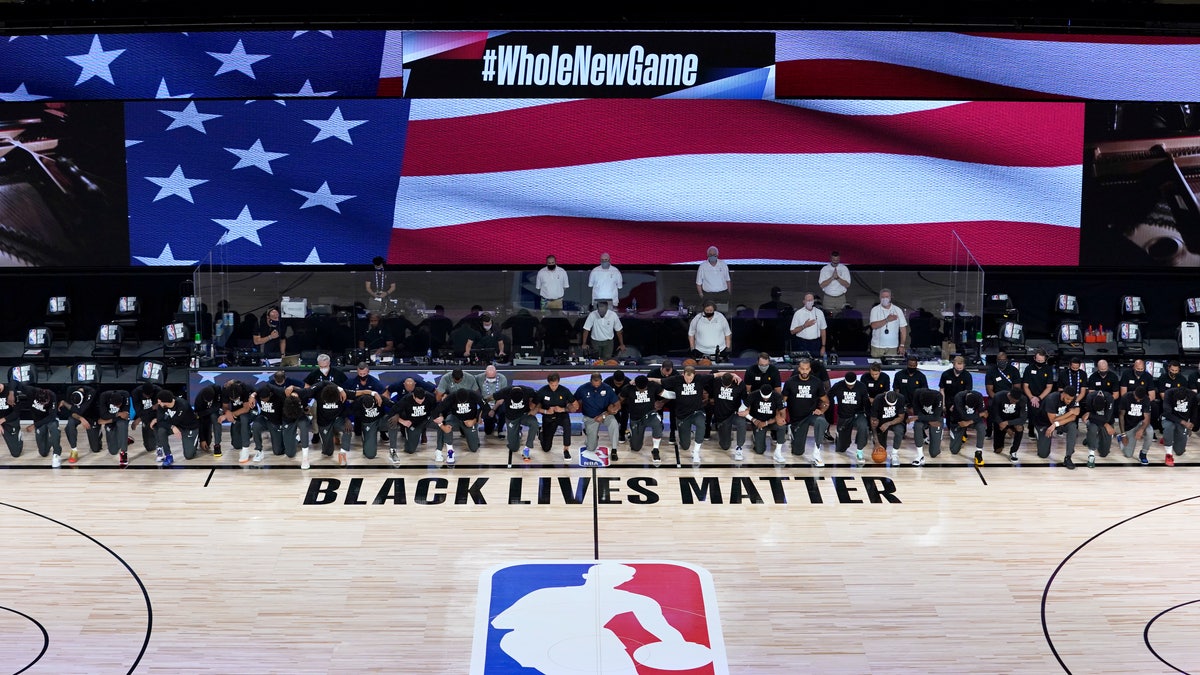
column 1170, row 460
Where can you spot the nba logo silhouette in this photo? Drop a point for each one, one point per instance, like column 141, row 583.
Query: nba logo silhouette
column 599, row 617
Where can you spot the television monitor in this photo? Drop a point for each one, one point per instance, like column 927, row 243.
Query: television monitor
column 293, row 308
column 85, row 373
column 154, row 372
column 1193, row 306
column 1070, row 331
column 109, row 332
column 189, row 304
column 175, row 333
column 1132, row 304
column 36, row 337
column 57, row 305
column 1013, row 332
column 1129, row 331
column 1067, row 304
column 127, row 303
column 22, row 373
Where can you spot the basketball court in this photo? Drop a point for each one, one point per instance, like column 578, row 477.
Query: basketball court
column 213, row 567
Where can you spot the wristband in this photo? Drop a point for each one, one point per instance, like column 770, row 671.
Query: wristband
column 1056, row 425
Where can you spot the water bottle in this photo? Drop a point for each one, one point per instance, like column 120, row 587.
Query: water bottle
column 681, row 305
column 964, row 337
column 633, row 305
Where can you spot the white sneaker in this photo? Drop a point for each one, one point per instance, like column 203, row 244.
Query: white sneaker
column 894, row 457
column 778, row 456
column 304, row 459
column 244, row 456
column 343, row 458
column 816, row 459
column 737, row 454
column 258, row 456
column 55, row 461
column 450, row 456
column 919, row 461
column 158, row 455
column 437, row 455
column 695, row 456
column 393, row 456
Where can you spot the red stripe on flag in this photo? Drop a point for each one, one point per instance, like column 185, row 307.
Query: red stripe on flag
column 390, row 87
column 580, row 241
column 850, row 78
column 593, row 131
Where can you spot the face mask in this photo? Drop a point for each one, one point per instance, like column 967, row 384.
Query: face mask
column 604, row 264
column 708, row 315
column 325, row 370
column 712, row 259
column 551, row 265
column 762, row 368
column 487, row 326
column 886, row 302
column 808, row 304
column 1002, row 364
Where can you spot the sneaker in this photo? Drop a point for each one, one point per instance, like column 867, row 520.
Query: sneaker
column 655, row 458
column 244, row 456
column 258, row 456
column 168, row 460
column 894, row 457
column 343, row 458
column 1068, row 463
column 124, row 459
column 829, row 438
column 1170, row 461
column 393, row 455
column 816, row 459
column 695, row 456
column 566, row 453
column 612, row 455
column 859, row 455
column 1012, row 456
column 1143, row 459
column 55, row 461
column 158, row 455
column 737, row 454
column 304, row 459
column 437, row 455
column 1091, row 461
column 450, row 456
column 217, row 451
column 919, row 461
column 74, row 456
column 978, row 458
column 525, row 454
column 778, row 456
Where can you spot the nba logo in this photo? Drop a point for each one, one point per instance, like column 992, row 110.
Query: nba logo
column 597, row 616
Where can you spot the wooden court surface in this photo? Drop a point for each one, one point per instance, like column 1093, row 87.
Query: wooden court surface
column 212, row 567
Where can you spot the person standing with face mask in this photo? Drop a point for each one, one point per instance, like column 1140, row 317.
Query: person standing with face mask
column 889, row 328
column 809, row 328
column 552, row 284
column 712, row 281
column 710, row 334
column 605, row 282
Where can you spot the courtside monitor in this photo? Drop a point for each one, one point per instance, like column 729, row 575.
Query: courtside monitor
column 1070, row 332
column 37, row 337
column 1193, row 306
column 1132, row 304
column 85, row 373
column 1128, row 331
column 154, row 372
column 293, row 308
column 1067, row 304
column 1013, row 332
column 174, row 333
column 109, row 333
column 24, row 372
column 189, row 304
column 57, row 305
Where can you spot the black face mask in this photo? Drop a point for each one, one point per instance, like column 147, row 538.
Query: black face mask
column 551, row 266
column 708, row 315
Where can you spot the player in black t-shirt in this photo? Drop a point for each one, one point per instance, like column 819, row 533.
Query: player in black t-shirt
column 369, row 411
column 174, row 413
column 766, row 415
column 1058, row 413
column 729, row 412
column 47, row 433
column 1179, row 406
column 689, row 388
column 79, row 406
column 643, row 400
column 850, row 399
column 519, row 409
column 968, row 411
column 1133, row 413
column 329, row 416
column 929, row 418
column 207, row 406
column 10, row 417
column 1099, row 412
column 889, row 415
column 268, row 420
column 412, row 414
column 459, row 411
column 555, row 401
column 237, row 409
column 112, row 415
column 1008, row 415
column 807, row 402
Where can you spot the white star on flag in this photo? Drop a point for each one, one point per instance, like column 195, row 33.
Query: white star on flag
column 323, row 197
column 237, row 60
column 208, row 376
column 259, row 378
column 255, row 155
column 176, row 184
column 313, row 258
column 166, row 258
column 305, row 91
column 242, row 227
column 163, row 92
column 129, row 142
column 326, row 33
column 188, row 117
column 335, row 127
column 95, row 62
column 20, row 94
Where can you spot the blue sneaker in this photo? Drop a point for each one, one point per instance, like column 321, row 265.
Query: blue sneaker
column 1143, row 459
column 168, row 460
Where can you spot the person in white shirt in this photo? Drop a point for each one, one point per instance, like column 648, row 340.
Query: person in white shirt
column 712, row 280
column 834, row 281
column 709, row 332
column 809, row 327
column 889, row 328
column 552, row 284
column 602, row 326
column 605, row 282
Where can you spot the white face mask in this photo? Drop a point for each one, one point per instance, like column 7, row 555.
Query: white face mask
column 886, row 302
column 808, row 304
column 604, row 264
column 712, row 259
column 324, row 370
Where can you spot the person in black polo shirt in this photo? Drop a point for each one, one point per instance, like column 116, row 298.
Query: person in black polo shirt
column 1179, row 420
column 175, row 415
column 1074, row 376
column 689, row 388
column 1099, row 413
column 376, row 338
column 909, row 380
column 730, row 412
column 876, row 381
column 764, row 371
column 954, row 380
column 807, row 401
column 849, row 397
column 642, row 400
column 1059, row 410
column 270, row 340
column 1105, row 380
column 928, row 409
column 1037, row 380
column 1001, row 377
column 1009, row 414
column 555, row 402
column 968, row 411
column 518, row 406
column 1133, row 412
column 766, row 414
column 889, row 414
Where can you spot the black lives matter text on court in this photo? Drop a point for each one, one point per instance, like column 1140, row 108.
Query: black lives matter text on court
column 608, row 490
